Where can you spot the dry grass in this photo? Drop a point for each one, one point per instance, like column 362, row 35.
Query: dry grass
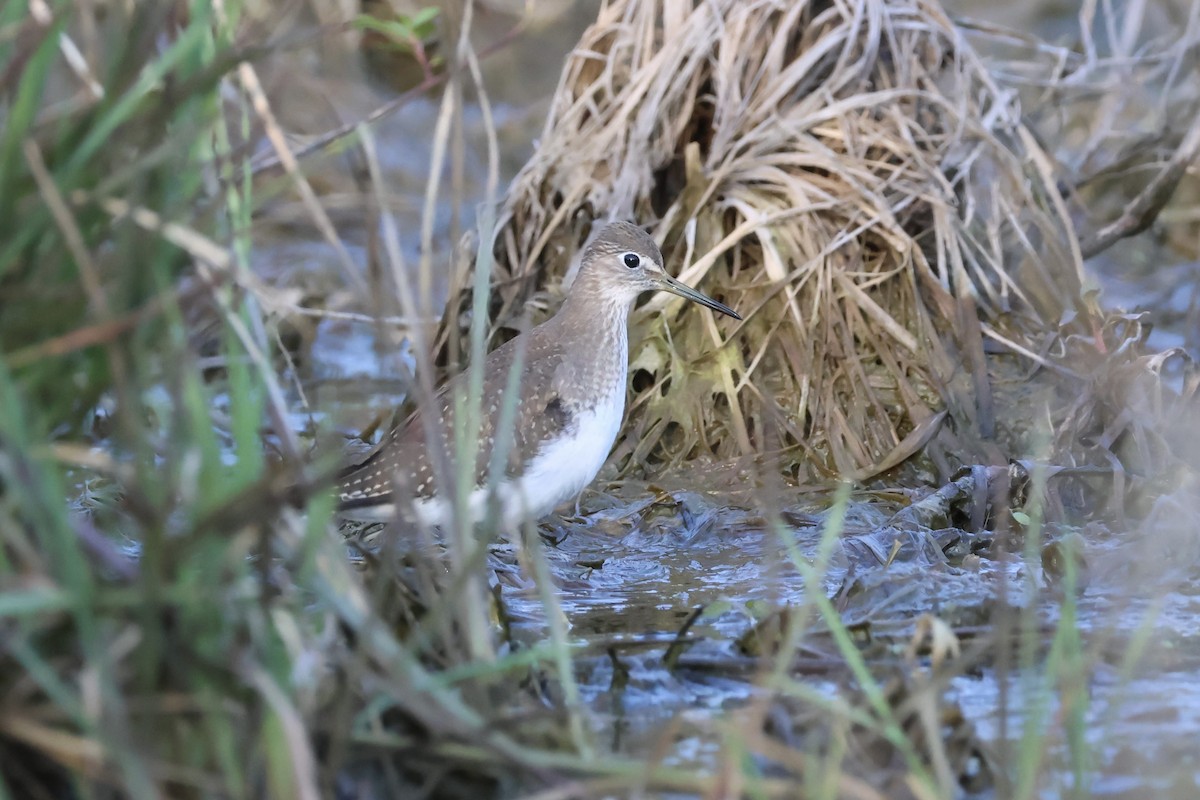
column 854, row 180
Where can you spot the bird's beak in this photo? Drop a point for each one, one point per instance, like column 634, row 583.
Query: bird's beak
column 667, row 283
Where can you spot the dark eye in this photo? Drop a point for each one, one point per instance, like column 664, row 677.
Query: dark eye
column 632, row 261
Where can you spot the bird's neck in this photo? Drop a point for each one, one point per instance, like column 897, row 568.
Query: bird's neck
column 596, row 320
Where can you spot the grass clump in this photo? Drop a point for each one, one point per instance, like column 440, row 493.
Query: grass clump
column 857, row 181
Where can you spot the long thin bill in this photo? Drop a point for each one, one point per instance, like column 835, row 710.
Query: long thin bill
column 683, row 290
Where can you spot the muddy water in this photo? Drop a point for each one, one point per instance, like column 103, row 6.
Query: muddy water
column 630, row 578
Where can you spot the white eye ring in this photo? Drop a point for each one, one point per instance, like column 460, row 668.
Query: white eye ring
column 632, row 260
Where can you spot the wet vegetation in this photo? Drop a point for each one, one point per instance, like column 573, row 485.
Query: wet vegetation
column 923, row 525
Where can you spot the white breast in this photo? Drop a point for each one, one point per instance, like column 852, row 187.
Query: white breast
column 564, row 468
column 559, row 472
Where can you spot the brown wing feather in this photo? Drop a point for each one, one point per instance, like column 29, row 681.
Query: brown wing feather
column 403, row 456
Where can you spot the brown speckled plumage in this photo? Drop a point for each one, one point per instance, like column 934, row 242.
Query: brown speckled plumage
column 569, row 361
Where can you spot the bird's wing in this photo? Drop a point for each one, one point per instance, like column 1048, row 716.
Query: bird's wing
column 401, row 453
column 404, row 452
column 540, row 413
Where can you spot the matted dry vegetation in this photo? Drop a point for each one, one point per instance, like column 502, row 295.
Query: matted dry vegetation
column 852, row 178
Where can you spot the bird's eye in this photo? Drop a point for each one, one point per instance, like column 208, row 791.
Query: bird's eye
column 632, row 261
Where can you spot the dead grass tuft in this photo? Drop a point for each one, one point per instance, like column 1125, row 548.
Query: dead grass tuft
column 851, row 178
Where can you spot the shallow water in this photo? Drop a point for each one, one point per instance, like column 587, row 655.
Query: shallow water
column 630, row 577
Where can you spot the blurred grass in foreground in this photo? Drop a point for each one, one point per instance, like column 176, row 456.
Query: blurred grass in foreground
column 172, row 671
column 179, row 631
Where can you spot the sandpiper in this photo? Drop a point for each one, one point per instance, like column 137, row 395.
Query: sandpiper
column 568, row 411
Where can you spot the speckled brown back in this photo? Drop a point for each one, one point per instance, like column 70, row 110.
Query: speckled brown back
column 404, row 456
